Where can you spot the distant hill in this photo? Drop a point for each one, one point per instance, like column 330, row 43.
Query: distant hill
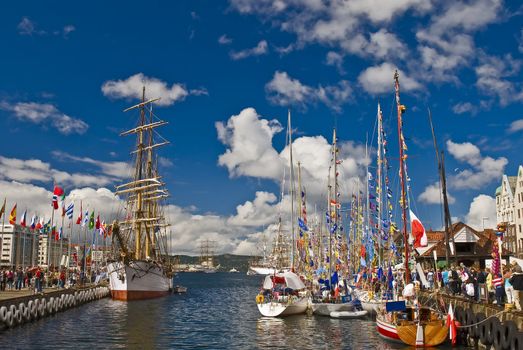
column 227, row 261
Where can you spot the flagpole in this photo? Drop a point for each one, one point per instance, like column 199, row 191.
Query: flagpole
column 69, row 242
column 3, row 226
column 61, row 240
column 23, row 239
column 49, row 241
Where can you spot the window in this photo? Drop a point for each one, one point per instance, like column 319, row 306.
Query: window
column 519, row 228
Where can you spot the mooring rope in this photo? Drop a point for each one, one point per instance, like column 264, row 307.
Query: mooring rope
column 480, row 322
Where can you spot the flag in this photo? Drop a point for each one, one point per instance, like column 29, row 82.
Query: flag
column 22, row 219
column 60, row 233
column 79, row 219
column 57, row 192
column 63, row 204
column 97, row 225
column 54, row 233
column 417, row 231
column 302, row 224
column 12, row 216
column 91, row 221
column 452, row 326
column 2, row 211
column 86, row 218
column 33, row 223
column 39, row 224
column 103, row 232
column 69, row 210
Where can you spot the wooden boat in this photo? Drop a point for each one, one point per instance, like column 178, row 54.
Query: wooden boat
column 179, row 289
column 434, row 333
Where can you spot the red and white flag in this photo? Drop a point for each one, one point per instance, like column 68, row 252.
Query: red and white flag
column 417, row 231
column 79, row 219
column 452, row 326
column 22, row 219
column 57, row 192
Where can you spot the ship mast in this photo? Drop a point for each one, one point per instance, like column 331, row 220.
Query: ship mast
column 400, row 109
column 292, row 190
column 146, row 189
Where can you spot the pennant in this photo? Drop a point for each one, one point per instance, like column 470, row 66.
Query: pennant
column 302, row 225
column 70, row 209
column 22, row 219
column 417, row 231
column 12, row 216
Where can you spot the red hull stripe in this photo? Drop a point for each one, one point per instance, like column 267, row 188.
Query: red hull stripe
column 137, row 294
column 387, row 331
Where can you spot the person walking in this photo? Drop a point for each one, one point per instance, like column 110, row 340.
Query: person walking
column 500, row 291
column 508, row 287
column 517, row 283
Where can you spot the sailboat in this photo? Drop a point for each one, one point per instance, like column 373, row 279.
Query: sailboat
column 284, row 293
column 207, row 257
column 334, row 295
column 406, row 320
column 138, row 271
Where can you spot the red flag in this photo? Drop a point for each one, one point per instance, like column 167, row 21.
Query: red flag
column 79, row 219
column 57, row 192
column 417, row 231
column 12, row 216
column 97, row 225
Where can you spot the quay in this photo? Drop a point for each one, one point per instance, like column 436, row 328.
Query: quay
column 19, row 307
column 483, row 324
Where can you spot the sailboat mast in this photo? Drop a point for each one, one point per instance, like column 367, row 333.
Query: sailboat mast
column 400, row 110
column 367, row 228
column 292, row 190
column 379, row 188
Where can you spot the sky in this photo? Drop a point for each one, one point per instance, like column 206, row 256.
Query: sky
column 227, row 72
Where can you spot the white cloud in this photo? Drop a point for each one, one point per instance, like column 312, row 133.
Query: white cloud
column 224, row 40
column 249, row 142
column 482, row 211
column 29, row 27
column 45, row 114
column 380, row 79
column 464, row 107
column 483, row 169
column 494, row 78
column 258, row 50
column 286, row 91
column 516, row 125
column 131, row 88
column 335, row 59
column 68, row 29
column 120, row 170
column 261, row 211
column 26, row 27
column 432, row 195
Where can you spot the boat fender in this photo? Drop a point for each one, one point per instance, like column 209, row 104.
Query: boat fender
column 517, row 341
column 33, row 308
column 471, row 319
column 12, row 309
column 57, row 305
column 259, row 299
column 41, row 308
column 3, row 313
column 9, row 321
column 509, row 331
column 50, row 305
column 18, row 317
column 480, row 318
column 25, row 312
column 493, row 325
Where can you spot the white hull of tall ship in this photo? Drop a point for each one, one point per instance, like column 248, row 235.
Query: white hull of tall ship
column 138, row 280
column 279, row 309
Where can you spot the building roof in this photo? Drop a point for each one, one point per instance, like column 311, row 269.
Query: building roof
column 463, row 233
column 498, row 190
column 512, row 181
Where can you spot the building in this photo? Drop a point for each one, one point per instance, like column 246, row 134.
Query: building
column 509, row 211
column 58, row 249
column 18, row 246
column 470, row 247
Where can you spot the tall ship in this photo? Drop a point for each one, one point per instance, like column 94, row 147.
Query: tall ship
column 207, row 257
column 139, row 269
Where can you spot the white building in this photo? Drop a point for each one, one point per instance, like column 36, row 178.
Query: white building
column 18, row 246
column 509, row 210
column 58, row 248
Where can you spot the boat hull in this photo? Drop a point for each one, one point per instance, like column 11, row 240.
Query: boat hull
column 277, row 309
column 264, row 271
column 325, row 309
column 387, row 330
column 137, row 281
column 349, row 314
column 434, row 334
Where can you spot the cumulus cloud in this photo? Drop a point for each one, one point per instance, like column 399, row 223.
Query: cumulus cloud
column 379, row 79
column 260, row 211
column 482, row 212
column 261, row 49
column 516, row 125
column 286, row 91
column 45, row 114
column 335, row 59
column 464, row 107
column 482, row 171
column 115, row 169
column 131, row 88
column 432, row 195
column 495, row 77
column 249, row 142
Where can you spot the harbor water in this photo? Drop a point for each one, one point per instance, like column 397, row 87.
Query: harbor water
column 218, row 312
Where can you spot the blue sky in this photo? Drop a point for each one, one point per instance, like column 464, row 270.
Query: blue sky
column 329, row 61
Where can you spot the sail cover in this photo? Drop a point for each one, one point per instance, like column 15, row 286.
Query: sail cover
column 290, row 279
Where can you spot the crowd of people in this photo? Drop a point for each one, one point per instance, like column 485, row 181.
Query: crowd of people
column 36, row 278
column 474, row 282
